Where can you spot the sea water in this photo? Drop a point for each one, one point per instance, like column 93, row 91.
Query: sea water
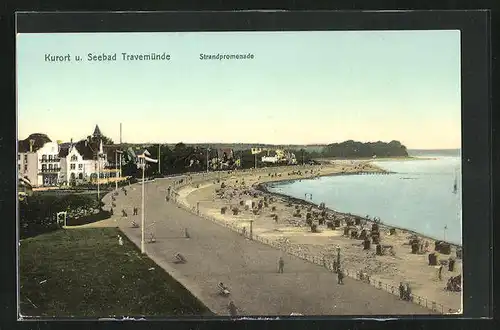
column 419, row 196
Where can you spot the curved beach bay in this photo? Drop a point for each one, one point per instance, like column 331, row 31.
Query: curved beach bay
column 418, row 196
column 390, row 269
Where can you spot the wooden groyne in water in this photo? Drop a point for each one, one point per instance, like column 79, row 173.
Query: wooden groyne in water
column 372, row 173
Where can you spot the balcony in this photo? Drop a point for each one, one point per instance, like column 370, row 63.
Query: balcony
column 50, row 170
column 53, row 160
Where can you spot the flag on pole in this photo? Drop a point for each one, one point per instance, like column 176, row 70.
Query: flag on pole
column 146, row 158
column 101, row 151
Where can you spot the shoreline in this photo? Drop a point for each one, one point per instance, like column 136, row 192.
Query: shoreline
column 294, row 237
column 263, row 187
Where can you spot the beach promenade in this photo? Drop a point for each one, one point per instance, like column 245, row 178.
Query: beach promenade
column 216, row 254
column 291, row 233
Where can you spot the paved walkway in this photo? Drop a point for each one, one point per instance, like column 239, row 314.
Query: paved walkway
column 216, row 254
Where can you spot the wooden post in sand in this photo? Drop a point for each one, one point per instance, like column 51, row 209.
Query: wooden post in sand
column 251, row 229
column 338, row 256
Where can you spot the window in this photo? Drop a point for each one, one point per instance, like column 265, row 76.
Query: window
column 80, row 176
column 19, row 167
column 72, row 166
column 50, row 158
column 80, row 166
column 25, row 167
column 50, row 167
column 44, row 157
column 44, row 167
column 25, row 158
column 18, row 157
column 74, row 158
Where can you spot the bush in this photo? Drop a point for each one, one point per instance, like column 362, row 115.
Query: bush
column 102, row 215
column 38, row 213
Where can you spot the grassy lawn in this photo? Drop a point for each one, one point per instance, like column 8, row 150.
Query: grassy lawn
column 86, row 273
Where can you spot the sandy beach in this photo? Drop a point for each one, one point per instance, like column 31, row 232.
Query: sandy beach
column 208, row 193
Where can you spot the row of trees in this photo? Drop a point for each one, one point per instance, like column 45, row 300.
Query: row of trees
column 183, row 158
column 353, row 149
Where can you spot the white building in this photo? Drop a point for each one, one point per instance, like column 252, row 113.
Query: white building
column 81, row 164
column 270, row 159
column 46, row 163
column 33, row 161
column 49, row 165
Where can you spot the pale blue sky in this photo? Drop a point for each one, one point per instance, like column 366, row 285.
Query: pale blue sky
column 302, row 87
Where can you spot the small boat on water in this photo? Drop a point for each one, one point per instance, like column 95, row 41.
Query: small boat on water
column 455, row 184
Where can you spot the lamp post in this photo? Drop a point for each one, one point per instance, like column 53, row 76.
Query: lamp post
column 98, row 176
column 159, row 158
column 118, row 174
column 116, row 170
column 99, row 154
column 142, row 163
column 208, row 148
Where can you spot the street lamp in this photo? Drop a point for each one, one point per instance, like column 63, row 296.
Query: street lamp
column 208, row 149
column 99, row 154
column 143, row 159
column 116, row 167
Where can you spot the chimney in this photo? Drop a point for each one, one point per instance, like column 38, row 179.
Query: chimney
column 32, row 142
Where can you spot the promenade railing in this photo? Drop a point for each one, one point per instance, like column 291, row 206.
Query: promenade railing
column 326, row 262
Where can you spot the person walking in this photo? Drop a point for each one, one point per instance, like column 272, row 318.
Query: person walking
column 340, row 276
column 401, row 291
column 440, row 272
column 408, row 292
column 281, row 265
column 232, row 309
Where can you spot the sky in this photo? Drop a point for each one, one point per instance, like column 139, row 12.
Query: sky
column 310, row 87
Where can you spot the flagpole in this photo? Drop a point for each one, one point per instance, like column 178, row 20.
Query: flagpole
column 144, row 159
column 98, row 175
column 120, row 164
column 142, row 206
column 116, row 170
